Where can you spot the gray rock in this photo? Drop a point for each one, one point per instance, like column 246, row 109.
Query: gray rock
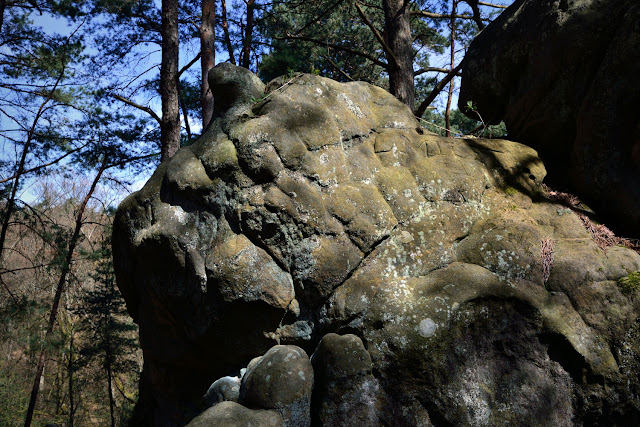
column 345, row 391
column 223, row 389
column 324, row 208
column 232, row 414
column 563, row 77
column 282, row 379
column 233, row 87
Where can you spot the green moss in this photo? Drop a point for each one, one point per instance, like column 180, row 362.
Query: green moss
column 510, row 191
column 631, row 283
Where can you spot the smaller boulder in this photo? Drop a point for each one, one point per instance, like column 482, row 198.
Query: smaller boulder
column 233, row 87
column 282, row 379
column 222, row 390
column 345, row 393
column 232, row 414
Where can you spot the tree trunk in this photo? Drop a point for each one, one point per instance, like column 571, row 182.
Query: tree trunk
column 245, row 57
column 112, row 402
column 3, row 5
column 477, row 17
column 447, row 114
column 170, row 122
column 207, row 58
column 397, row 27
column 225, row 30
column 70, row 383
column 66, row 268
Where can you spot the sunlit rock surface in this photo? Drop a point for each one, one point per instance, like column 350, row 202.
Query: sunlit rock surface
column 320, row 208
column 563, row 75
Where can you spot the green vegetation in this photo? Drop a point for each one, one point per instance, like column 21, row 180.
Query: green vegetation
column 510, row 191
column 93, row 338
column 631, row 283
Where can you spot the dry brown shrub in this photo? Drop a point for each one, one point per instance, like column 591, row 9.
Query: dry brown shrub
column 601, row 234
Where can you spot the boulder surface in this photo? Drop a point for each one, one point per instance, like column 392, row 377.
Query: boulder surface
column 563, row 77
column 320, row 215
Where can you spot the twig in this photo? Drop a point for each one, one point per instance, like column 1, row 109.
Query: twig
column 340, row 70
column 279, row 90
column 438, row 126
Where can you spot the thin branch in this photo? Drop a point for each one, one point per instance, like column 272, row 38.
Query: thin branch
column 431, row 70
column 46, row 164
column 432, row 15
column 133, row 159
column 185, row 114
column 498, row 6
column 140, row 75
column 436, row 90
column 478, row 128
column 186, row 67
column 138, row 106
column 33, row 267
column 387, row 50
column 340, row 70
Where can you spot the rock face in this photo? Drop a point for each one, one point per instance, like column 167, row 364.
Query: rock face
column 563, row 77
column 345, row 390
column 408, row 265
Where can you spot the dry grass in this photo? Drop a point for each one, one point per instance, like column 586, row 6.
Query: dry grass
column 546, row 252
column 601, row 234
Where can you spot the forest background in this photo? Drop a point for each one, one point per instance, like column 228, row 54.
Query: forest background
column 95, row 93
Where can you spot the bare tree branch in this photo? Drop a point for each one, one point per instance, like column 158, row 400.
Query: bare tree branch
column 432, row 15
column 186, row 67
column 185, row 114
column 498, row 6
column 138, row 106
column 431, row 70
column 436, row 90
column 387, row 50
column 340, row 70
column 36, row 168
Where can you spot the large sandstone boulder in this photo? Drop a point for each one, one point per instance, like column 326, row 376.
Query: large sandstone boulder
column 563, row 75
column 322, row 208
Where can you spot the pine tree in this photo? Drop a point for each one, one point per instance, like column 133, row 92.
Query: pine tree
column 107, row 330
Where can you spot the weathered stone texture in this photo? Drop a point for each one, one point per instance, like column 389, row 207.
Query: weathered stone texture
column 563, row 77
column 324, row 209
